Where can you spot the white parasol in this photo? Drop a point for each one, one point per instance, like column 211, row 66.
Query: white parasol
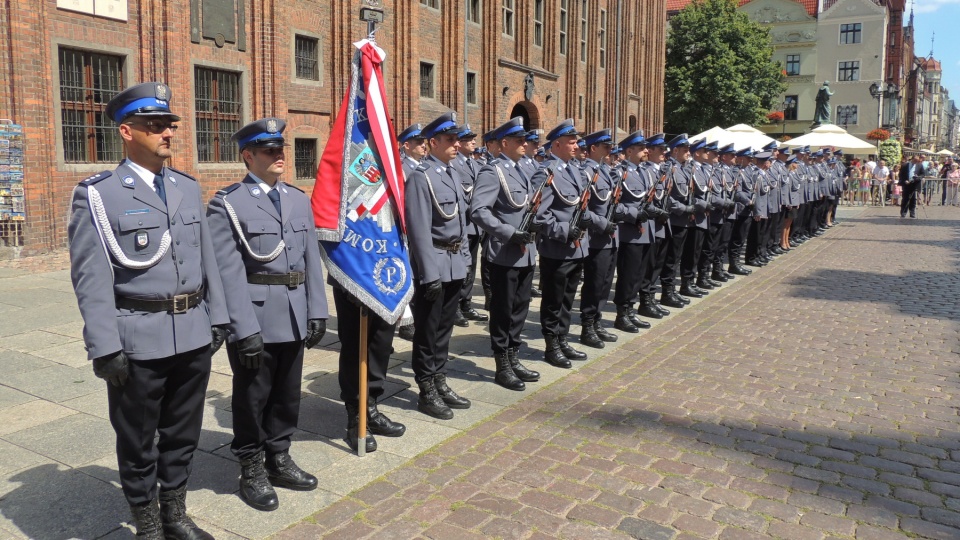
column 833, row 136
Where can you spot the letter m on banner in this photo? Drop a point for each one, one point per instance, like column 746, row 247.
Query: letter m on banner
column 358, row 196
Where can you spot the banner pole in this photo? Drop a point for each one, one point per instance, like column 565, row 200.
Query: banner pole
column 362, row 428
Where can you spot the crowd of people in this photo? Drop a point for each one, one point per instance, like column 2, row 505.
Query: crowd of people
column 874, row 183
column 647, row 223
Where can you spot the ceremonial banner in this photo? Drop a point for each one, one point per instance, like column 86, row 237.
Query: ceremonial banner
column 358, row 195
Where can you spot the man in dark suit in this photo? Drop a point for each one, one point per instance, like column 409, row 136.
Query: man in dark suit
column 911, row 178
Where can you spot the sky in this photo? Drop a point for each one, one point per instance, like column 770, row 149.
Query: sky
column 938, row 19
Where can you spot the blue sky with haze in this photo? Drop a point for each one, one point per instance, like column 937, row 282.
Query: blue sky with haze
column 939, row 18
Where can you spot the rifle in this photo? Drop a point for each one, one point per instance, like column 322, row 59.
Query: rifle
column 617, row 191
column 534, row 206
column 582, row 207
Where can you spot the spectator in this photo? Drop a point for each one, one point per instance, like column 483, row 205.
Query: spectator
column 953, row 183
column 853, row 181
column 865, row 177
column 881, row 175
column 944, row 175
column 896, row 190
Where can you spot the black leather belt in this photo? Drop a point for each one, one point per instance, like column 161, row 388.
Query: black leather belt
column 178, row 304
column 291, row 280
column 452, row 248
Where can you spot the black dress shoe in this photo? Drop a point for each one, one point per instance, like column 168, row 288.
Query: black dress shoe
column 474, row 315
column 460, row 320
column 451, row 398
column 379, row 424
column 603, row 334
column 283, row 472
column 570, row 352
column 756, row 263
column 535, row 292
column 738, row 270
column 255, row 489
column 553, row 355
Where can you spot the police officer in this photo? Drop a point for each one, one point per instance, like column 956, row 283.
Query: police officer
column 560, row 241
column 146, row 279
column 437, row 230
column 653, row 170
column 467, row 168
column 698, row 223
column 412, row 149
column 601, row 261
column 755, row 254
column 745, row 198
column 502, row 206
column 530, row 148
column 728, row 173
column 267, row 251
column 680, row 175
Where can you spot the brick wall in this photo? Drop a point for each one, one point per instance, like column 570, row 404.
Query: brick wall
column 155, row 43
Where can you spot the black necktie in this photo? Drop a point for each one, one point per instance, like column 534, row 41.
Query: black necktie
column 158, row 184
column 274, row 196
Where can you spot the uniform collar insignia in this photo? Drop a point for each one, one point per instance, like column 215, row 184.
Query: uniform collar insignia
column 128, row 181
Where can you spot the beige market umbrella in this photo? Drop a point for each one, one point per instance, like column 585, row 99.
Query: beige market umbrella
column 833, row 136
column 945, row 152
column 745, row 135
column 716, row 133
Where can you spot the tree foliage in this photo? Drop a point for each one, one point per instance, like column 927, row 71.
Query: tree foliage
column 891, row 151
column 720, row 70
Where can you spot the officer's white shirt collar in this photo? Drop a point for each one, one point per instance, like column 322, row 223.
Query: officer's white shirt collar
column 265, row 187
column 143, row 173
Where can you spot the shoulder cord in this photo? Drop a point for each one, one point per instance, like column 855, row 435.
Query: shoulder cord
column 567, row 202
column 684, row 192
column 436, row 204
column 110, row 240
column 593, row 188
column 236, row 225
column 623, row 185
column 506, row 191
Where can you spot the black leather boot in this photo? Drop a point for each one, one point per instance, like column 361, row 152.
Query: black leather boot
column 703, row 284
column 622, row 322
column 451, row 398
column 738, row 270
column 648, row 307
column 255, row 488
column 670, row 299
column 282, row 471
column 177, row 525
column 505, row 375
column 718, row 275
column 430, row 402
column 568, row 351
column 602, row 332
column 460, row 320
column 521, row 371
column 637, row 321
column 353, row 430
column 406, row 332
column 379, row 424
column 588, row 334
column 553, row 356
column 687, row 290
column 473, row 315
column 146, row 518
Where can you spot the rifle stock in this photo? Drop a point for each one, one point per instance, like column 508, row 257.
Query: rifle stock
column 534, row 206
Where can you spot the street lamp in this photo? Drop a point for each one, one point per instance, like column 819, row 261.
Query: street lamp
column 878, row 92
column 846, row 114
column 787, row 105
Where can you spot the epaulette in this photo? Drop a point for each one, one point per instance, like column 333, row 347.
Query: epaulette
column 96, row 178
column 182, row 173
column 493, row 161
column 229, row 189
column 294, row 187
column 423, row 167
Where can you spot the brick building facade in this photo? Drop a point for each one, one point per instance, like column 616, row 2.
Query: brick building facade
column 231, row 61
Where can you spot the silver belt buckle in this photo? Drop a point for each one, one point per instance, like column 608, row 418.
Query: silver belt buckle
column 293, row 280
column 180, row 303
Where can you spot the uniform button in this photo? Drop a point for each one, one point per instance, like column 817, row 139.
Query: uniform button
column 181, row 261
column 140, row 222
column 291, row 267
column 173, row 222
column 183, row 282
column 178, row 242
column 263, row 228
column 284, row 231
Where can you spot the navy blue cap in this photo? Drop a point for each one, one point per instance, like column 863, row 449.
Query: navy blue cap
column 632, row 139
column 616, row 149
column 541, row 152
column 746, row 152
column 511, row 128
column 818, row 153
column 412, row 132
column 598, row 137
column 712, row 147
column 262, row 133
column 657, row 140
column 679, row 140
column 563, row 129
column 772, row 145
column 806, row 149
column 791, row 159
column 445, row 123
column 489, row 136
column 698, row 144
column 581, row 144
column 838, row 152
column 466, row 133
column 798, row 150
column 145, row 99
column 532, row 136
column 727, row 149
column 763, row 156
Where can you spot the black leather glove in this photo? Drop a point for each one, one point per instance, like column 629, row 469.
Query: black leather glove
column 112, row 368
column 250, row 350
column 534, row 227
column 620, row 215
column 700, row 206
column 316, row 328
column 432, row 290
column 610, row 228
column 729, row 204
column 521, row 238
column 219, row 335
column 574, row 234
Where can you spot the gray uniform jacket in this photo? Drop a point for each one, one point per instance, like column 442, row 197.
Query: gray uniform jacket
column 762, row 187
column 792, row 189
column 773, row 188
column 529, row 166
column 124, row 242
column 409, row 165
column 252, row 246
column 557, row 207
column 601, row 197
column 728, row 177
column 681, row 198
column 437, row 223
column 632, row 201
column 653, row 176
column 467, row 168
column 746, row 195
column 716, row 195
column 498, row 206
column 780, row 173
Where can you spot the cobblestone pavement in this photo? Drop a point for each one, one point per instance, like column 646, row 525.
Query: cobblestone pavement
column 810, row 400
column 814, row 399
